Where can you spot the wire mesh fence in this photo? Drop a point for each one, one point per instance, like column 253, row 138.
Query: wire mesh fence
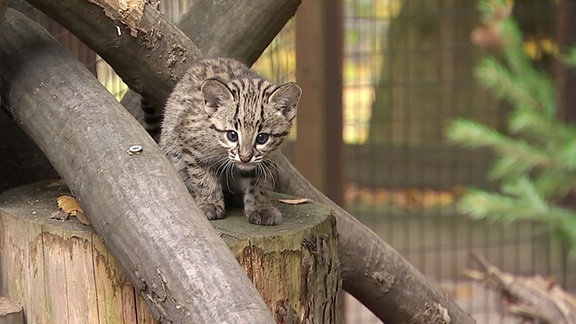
column 408, row 71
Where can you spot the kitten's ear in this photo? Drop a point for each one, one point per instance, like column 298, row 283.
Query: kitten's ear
column 215, row 95
column 285, row 99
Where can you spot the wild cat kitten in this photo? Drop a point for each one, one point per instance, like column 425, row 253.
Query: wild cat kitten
column 220, row 123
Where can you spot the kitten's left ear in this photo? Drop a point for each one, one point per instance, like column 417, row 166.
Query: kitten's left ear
column 285, row 99
column 215, row 95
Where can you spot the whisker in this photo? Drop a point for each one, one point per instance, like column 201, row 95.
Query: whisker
column 229, row 173
column 268, row 169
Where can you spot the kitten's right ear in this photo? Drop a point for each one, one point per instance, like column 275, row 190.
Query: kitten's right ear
column 216, row 94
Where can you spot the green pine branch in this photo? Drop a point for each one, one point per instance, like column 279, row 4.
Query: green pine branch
column 536, row 162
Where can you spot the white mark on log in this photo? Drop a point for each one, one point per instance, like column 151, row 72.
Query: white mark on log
column 118, row 31
column 135, row 149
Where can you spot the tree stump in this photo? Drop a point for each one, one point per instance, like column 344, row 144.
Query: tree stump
column 61, row 272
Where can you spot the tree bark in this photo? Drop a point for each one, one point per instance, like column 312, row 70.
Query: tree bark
column 74, row 279
column 438, row 87
column 372, row 270
column 293, row 265
column 255, row 24
column 139, row 199
column 140, row 31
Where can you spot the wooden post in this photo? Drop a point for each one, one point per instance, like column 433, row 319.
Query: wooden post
column 318, row 149
column 62, row 272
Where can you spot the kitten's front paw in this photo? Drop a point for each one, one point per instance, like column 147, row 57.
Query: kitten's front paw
column 212, row 211
column 266, row 215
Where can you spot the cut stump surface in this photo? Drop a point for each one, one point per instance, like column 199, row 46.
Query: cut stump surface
column 61, row 272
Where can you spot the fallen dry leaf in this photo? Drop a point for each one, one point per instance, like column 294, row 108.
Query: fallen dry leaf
column 70, row 206
column 296, row 201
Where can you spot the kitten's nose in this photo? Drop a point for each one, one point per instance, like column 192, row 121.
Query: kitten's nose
column 245, row 158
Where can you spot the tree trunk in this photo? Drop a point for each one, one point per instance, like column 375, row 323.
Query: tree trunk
column 254, row 24
column 389, row 286
column 293, row 265
column 140, row 31
column 73, row 278
column 369, row 264
column 254, row 27
column 146, row 217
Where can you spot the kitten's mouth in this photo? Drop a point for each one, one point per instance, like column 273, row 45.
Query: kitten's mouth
column 245, row 166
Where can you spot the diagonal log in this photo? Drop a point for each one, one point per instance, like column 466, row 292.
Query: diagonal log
column 146, row 216
column 140, row 31
column 254, row 24
column 372, row 271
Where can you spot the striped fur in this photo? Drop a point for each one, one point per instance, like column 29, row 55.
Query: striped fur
column 220, row 122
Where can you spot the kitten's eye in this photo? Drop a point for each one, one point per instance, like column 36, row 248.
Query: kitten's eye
column 232, row 136
column 261, row 138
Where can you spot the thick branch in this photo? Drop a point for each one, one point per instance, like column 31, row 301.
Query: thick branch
column 146, row 216
column 142, row 32
column 376, row 274
column 254, row 24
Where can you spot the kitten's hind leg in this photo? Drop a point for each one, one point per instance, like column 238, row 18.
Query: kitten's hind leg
column 257, row 206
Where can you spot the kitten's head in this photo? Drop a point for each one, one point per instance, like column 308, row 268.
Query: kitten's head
column 250, row 118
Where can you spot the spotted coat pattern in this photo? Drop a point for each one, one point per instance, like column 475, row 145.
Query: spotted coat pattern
column 220, row 123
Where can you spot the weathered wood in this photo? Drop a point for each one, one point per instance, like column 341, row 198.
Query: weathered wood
column 146, row 216
column 10, row 312
column 534, row 298
column 318, row 149
column 293, row 265
column 374, row 272
column 110, row 33
column 370, row 266
column 75, row 280
column 255, row 24
column 60, row 270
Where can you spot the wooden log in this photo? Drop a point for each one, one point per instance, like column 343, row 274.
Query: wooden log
column 253, row 28
column 372, row 271
column 243, row 28
column 10, row 312
column 127, row 20
column 146, row 216
column 62, row 272
column 293, row 265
